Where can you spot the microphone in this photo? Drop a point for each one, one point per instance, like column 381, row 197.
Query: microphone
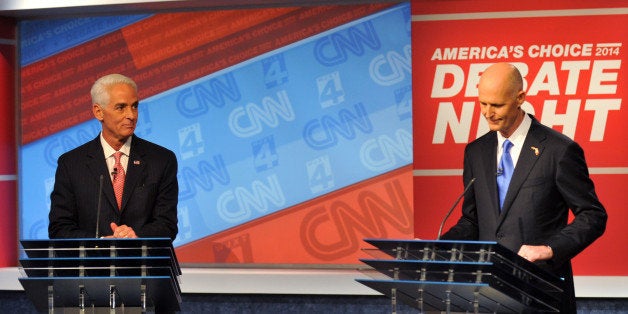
column 115, row 171
column 98, row 206
column 440, row 230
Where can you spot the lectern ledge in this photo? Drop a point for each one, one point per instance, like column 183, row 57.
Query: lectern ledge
column 459, row 276
column 101, row 275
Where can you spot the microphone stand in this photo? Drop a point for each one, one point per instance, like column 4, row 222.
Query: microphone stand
column 99, row 206
column 440, row 229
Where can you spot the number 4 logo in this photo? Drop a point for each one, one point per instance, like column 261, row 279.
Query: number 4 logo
column 320, row 175
column 265, row 154
column 190, row 141
column 275, row 71
column 330, row 91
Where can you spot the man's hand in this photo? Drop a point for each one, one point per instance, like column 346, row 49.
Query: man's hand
column 536, row 252
column 122, row 231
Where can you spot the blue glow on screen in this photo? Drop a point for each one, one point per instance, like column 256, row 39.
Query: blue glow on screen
column 259, row 137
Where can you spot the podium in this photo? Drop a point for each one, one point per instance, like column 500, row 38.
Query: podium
column 101, row 275
column 460, row 276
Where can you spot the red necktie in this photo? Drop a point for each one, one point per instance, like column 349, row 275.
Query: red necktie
column 118, row 178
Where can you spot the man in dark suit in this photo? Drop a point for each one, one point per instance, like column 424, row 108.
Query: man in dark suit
column 145, row 175
column 550, row 177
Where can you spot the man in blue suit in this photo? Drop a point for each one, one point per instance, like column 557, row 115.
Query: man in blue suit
column 550, row 177
column 146, row 204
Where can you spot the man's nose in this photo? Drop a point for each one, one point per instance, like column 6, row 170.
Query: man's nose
column 488, row 111
column 130, row 113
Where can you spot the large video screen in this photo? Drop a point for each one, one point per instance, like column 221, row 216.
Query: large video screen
column 291, row 126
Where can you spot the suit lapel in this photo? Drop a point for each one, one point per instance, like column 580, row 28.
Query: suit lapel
column 490, row 164
column 532, row 149
column 97, row 167
column 135, row 169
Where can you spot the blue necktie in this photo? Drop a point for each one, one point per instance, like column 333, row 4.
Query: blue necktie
column 504, row 172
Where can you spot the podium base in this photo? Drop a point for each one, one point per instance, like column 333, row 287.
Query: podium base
column 102, row 310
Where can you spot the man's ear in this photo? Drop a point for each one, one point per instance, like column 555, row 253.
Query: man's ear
column 98, row 113
column 521, row 97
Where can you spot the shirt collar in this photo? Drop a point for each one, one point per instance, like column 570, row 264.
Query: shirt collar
column 519, row 135
column 109, row 151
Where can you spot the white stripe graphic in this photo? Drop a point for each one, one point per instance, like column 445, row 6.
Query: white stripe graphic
column 8, row 177
column 609, row 45
column 517, row 14
column 458, row 172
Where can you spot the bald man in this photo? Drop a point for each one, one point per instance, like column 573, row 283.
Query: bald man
column 529, row 215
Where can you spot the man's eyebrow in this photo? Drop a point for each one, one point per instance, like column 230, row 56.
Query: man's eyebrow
column 492, row 104
column 125, row 104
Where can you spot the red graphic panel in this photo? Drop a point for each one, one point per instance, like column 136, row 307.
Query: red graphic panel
column 8, row 191
column 610, row 249
column 478, row 6
column 8, row 242
column 7, row 111
column 575, row 82
column 326, row 230
column 168, row 35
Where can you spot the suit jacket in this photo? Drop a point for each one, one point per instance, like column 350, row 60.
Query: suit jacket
column 551, row 177
column 149, row 202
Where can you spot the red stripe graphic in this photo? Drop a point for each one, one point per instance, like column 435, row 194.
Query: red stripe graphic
column 326, row 230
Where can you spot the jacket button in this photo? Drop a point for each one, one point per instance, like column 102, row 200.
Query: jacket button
column 500, row 236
